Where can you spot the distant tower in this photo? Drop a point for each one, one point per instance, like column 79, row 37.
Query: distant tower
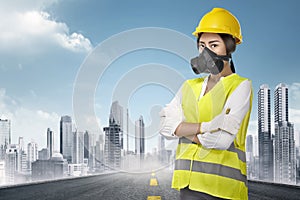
column 12, row 163
column 140, row 137
column 78, row 147
column 21, row 143
column 99, row 152
column 66, row 137
column 5, row 136
column 50, row 144
column 265, row 147
column 161, row 143
column 116, row 115
column 162, row 152
column 86, row 145
column 285, row 156
column 112, row 146
column 32, row 153
column 127, row 132
column 250, row 156
column 23, row 155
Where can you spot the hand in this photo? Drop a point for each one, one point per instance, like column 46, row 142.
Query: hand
column 223, row 121
column 193, row 138
column 170, row 118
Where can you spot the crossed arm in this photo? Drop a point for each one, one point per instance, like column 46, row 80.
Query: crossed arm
column 218, row 133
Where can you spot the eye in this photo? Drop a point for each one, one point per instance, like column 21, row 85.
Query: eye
column 213, row 46
column 201, row 45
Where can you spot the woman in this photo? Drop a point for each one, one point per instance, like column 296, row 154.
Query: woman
column 210, row 116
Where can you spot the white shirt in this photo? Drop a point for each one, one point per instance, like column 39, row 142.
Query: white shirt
column 239, row 104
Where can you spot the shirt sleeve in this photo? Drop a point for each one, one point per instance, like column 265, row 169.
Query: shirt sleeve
column 167, row 123
column 237, row 105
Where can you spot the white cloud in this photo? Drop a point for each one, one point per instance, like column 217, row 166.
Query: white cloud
column 92, row 124
column 33, row 30
column 294, row 90
column 31, row 124
column 252, row 127
column 74, row 42
column 294, row 117
column 21, row 5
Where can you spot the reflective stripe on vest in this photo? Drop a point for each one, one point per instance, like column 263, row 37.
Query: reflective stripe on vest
column 221, row 173
column 211, row 168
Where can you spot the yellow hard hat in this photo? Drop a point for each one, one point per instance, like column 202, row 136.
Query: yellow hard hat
column 219, row 20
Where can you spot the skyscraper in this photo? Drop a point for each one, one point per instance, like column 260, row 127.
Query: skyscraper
column 161, row 143
column 116, row 113
column 140, row 137
column 21, row 143
column 12, row 163
column 127, row 131
column 285, row 157
column 78, row 147
column 50, row 144
column 281, row 103
column 112, row 146
column 5, row 136
column 32, row 153
column 66, row 137
column 99, row 153
column 250, row 157
column 2, row 172
column 86, row 144
column 265, row 147
column 23, row 155
column 162, row 152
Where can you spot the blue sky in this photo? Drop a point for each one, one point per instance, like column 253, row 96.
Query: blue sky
column 45, row 43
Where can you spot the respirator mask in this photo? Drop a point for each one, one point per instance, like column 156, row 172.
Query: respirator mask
column 209, row 62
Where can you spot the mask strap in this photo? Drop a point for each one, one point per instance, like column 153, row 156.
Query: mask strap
column 227, row 58
column 232, row 66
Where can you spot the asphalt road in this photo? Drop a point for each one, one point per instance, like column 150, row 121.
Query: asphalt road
column 140, row 186
column 112, row 186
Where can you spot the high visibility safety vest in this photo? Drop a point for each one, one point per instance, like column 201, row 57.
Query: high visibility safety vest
column 220, row 173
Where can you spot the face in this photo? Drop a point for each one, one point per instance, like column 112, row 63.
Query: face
column 214, row 42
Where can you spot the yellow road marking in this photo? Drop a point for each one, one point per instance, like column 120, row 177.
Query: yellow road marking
column 154, row 198
column 153, row 182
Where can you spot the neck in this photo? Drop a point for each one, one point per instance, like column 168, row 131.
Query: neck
column 226, row 71
column 215, row 78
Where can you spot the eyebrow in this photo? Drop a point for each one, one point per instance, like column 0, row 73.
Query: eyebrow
column 211, row 41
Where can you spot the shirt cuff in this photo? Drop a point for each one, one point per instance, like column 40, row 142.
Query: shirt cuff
column 217, row 140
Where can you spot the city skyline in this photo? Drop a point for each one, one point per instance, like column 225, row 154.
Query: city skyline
column 84, row 154
column 117, row 108
column 37, row 85
column 278, row 156
column 45, row 45
column 268, row 171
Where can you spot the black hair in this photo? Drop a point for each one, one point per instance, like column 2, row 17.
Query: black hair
column 229, row 43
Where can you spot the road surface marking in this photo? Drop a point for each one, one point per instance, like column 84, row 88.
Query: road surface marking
column 154, row 198
column 153, row 182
